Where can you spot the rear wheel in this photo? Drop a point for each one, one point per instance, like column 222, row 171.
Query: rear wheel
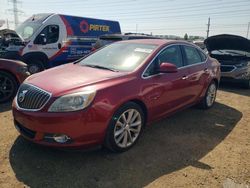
column 210, row 96
column 8, row 87
column 35, row 66
column 125, row 127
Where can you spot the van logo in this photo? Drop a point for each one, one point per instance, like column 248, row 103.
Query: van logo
column 21, row 95
column 84, row 26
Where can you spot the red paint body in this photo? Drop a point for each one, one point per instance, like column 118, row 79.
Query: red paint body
column 12, row 67
column 160, row 95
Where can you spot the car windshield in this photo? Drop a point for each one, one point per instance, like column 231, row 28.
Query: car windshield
column 27, row 29
column 119, row 56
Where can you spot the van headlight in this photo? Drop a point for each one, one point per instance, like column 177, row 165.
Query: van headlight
column 72, row 102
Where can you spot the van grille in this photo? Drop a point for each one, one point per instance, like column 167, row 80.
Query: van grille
column 31, row 98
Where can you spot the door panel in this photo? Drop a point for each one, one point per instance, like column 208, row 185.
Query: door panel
column 168, row 93
column 197, row 76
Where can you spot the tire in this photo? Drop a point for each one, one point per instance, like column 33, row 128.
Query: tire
column 122, row 136
column 210, row 96
column 8, row 87
column 35, row 66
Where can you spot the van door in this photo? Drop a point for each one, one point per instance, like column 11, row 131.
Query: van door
column 49, row 42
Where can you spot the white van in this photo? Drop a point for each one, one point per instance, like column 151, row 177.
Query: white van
column 49, row 40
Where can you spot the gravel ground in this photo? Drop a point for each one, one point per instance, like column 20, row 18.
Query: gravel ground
column 193, row 148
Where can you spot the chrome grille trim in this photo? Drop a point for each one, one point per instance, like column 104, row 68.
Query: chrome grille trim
column 37, row 98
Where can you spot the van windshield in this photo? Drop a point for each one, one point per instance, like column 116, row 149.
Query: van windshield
column 27, row 29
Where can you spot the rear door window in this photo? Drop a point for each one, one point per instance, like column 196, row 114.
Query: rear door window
column 192, row 55
column 203, row 56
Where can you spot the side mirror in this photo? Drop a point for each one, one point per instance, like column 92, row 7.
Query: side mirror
column 41, row 39
column 166, row 67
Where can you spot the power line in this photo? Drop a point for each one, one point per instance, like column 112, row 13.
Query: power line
column 16, row 12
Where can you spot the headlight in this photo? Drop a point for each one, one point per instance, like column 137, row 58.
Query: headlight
column 72, row 102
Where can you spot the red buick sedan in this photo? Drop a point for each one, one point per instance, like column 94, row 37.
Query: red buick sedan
column 109, row 96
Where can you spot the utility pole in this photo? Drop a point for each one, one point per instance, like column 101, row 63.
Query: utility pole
column 136, row 28
column 248, row 29
column 15, row 11
column 7, row 23
column 208, row 26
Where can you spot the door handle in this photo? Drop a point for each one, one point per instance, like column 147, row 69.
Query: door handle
column 184, row 77
column 59, row 45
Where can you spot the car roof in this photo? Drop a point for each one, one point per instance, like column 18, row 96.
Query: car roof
column 157, row 42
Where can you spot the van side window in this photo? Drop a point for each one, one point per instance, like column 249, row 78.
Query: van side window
column 171, row 54
column 192, row 55
column 51, row 33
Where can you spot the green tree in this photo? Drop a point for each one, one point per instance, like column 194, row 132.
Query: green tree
column 186, row 36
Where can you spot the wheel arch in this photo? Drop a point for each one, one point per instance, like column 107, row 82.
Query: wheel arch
column 38, row 56
column 140, row 103
column 216, row 82
column 12, row 74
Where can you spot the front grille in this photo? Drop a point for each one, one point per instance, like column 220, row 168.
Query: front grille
column 31, row 98
column 227, row 68
column 25, row 131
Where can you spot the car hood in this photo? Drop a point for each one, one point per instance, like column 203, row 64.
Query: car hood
column 227, row 42
column 63, row 79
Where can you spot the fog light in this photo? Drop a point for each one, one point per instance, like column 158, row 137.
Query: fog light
column 61, row 138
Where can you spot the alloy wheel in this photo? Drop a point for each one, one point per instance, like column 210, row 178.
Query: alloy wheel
column 127, row 128
column 211, row 94
column 6, row 88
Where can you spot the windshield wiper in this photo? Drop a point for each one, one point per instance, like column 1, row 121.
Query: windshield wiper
column 101, row 67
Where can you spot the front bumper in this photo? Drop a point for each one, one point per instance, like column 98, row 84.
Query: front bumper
column 84, row 128
column 237, row 74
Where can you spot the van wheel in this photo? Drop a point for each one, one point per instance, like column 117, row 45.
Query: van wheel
column 210, row 96
column 35, row 66
column 125, row 127
column 8, row 87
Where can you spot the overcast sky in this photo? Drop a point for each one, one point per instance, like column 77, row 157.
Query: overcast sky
column 170, row 17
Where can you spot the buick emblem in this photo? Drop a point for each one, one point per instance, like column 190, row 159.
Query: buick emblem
column 21, row 95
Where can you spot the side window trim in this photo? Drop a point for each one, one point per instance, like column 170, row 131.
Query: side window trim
column 184, row 61
column 185, row 57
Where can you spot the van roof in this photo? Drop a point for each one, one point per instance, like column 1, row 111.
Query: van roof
column 38, row 17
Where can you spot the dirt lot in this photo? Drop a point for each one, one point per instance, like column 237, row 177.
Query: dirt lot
column 193, row 148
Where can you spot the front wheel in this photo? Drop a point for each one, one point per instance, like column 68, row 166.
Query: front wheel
column 125, row 127
column 8, row 87
column 210, row 96
column 35, row 66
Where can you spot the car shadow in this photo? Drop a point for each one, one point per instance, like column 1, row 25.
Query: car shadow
column 234, row 88
column 5, row 107
column 168, row 145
